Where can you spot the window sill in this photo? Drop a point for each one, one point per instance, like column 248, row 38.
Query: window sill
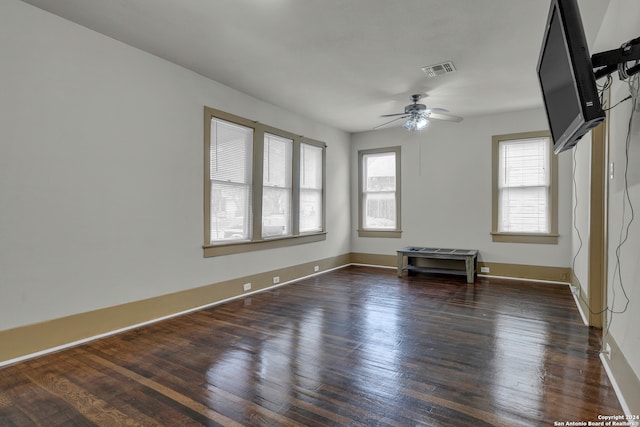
column 240, row 247
column 549, row 239
column 393, row 234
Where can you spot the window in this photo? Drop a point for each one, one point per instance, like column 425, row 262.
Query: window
column 524, row 188
column 311, row 179
column 264, row 187
column 379, row 192
column 230, row 170
column 276, row 186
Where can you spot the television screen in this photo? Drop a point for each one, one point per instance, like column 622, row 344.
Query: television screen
column 566, row 77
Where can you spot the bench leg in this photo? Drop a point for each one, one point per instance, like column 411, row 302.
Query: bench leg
column 469, row 265
column 400, row 264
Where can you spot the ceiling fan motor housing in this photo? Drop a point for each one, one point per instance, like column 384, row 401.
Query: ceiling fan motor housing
column 414, row 108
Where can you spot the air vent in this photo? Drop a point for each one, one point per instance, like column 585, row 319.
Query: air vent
column 439, row 69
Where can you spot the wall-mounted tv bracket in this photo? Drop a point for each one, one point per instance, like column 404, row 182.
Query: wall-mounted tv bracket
column 605, row 63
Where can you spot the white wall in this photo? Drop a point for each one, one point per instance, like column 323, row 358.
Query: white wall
column 446, row 189
column 623, row 282
column 622, row 23
column 101, row 173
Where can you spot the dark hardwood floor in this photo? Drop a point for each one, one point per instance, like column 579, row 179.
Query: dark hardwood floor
column 356, row 346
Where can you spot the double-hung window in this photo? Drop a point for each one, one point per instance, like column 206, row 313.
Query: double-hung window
column 276, row 186
column 379, row 192
column 230, row 173
column 264, row 187
column 524, row 188
column 311, row 188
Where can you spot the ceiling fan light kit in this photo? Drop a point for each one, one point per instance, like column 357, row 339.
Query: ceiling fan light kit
column 415, row 122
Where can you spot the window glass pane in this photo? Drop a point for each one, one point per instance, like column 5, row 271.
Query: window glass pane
column 231, row 152
column 276, row 208
column 230, row 173
column 310, row 188
column 524, row 186
column 310, row 166
column 380, row 210
column 276, row 194
column 277, row 161
column 310, row 210
column 380, row 172
column 524, row 162
column 230, row 213
column 524, row 210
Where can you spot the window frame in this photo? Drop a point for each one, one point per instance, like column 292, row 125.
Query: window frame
column 550, row 237
column 257, row 241
column 377, row 232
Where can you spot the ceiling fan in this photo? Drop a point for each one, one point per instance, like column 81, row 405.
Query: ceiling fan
column 418, row 115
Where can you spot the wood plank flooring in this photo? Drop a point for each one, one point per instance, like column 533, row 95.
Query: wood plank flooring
column 356, row 346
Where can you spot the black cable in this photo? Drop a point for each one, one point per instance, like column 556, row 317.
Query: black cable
column 627, row 200
column 604, row 87
column 618, row 103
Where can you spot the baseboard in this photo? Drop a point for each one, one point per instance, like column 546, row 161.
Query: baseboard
column 36, row 339
column 40, row 338
column 625, row 382
column 577, row 290
column 529, row 272
column 374, row 259
column 512, row 271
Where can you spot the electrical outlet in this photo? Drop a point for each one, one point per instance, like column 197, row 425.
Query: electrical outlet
column 276, row 279
column 316, row 268
column 246, row 286
column 485, row 270
column 607, row 350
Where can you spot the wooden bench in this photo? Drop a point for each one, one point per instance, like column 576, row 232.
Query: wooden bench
column 415, row 254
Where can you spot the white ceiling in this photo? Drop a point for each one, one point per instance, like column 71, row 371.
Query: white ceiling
column 343, row 62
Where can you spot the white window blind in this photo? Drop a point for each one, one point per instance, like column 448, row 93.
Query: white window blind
column 310, row 188
column 379, row 191
column 524, row 186
column 277, row 188
column 231, row 177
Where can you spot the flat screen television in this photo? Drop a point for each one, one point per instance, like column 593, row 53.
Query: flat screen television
column 566, row 77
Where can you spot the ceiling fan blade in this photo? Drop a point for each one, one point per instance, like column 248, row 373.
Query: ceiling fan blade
column 391, row 115
column 436, row 110
column 384, row 124
column 446, row 117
